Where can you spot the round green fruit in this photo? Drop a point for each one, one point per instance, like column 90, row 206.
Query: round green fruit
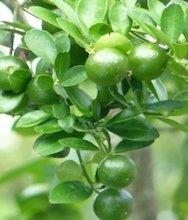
column 39, row 93
column 147, row 61
column 113, row 204
column 113, row 40
column 116, row 171
column 107, row 67
column 8, row 65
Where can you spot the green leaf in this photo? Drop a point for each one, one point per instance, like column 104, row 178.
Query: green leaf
column 44, row 14
column 48, row 144
column 44, row 82
column 181, row 96
column 156, row 8
column 158, row 89
column 41, row 43
column 99, row 29
column 122, row 116
column 158, row 34
column 68, row 11
column 91, row 12
column 73, row 76
column 164, row 107
column 119, row 19
column 180, row 50
column 137, row 129
column 174, row 124
column 19, row 79
column 67, row 123
column 77, row 143
column 131, row 145
column 62, row 42
column 70, row 192
column 16, row 25
column 80, row 99
column 48, row 127
column 60, row 110
column 172, row 21
column 129, row 3
column 73, row 31
column 62, row 64
column 32, row 118
column 69, row 170
column 9, row 101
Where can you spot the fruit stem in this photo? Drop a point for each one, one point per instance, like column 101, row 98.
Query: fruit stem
column 85, row 171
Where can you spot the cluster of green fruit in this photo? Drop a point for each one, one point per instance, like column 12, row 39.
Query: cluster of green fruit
column 114, row 58
column 113, row 202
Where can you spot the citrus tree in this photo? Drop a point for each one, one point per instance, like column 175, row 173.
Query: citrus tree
column 93, row 81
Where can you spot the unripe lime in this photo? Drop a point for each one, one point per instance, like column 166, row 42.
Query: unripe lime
column 113, row 40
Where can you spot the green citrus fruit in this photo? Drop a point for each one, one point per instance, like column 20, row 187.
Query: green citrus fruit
column 107, row 66
column 113, row 40
column 113, row 204
column 41, row 92
column 116, row 171
column 147, row 61
column 8, row 65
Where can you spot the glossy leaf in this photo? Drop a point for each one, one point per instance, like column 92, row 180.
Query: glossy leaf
column 9, row 101
column 172, row 21
column 164, row 107
column 44, row 14
column 48, row 127
column 62, row 42
column 62, row 64
column 73, row 76
column 131, row 145
column 48, row 144
column 80, row 99
column 135, row 129
column 42, row 44
column 99, row 29
column 91, row 12
column 67, row 123
column 69, row 170
column 73, row 31
column 119, row 18
column 32, row 118
column 129, row 3
column 156, row 8
column 60, row 110
column 68, row 11
column 158, row 89
column 70, row 192
column 78, row 144
column 123, row 116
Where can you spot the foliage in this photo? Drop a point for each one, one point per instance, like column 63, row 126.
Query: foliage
column 62, row 102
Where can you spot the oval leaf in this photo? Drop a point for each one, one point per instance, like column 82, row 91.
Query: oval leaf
column 119, row 19
column 69, row 170
column 48, row 144
column 135, row 129
column 80, row 99
column 70, row 192
column 41, row 43
column 32, row 118
column 48, row 127
column 78, row 144
column 172, row 21
column 130, row 145
column 9, row 101
column 91, row 12
column 62, row 64
column 73, row 76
